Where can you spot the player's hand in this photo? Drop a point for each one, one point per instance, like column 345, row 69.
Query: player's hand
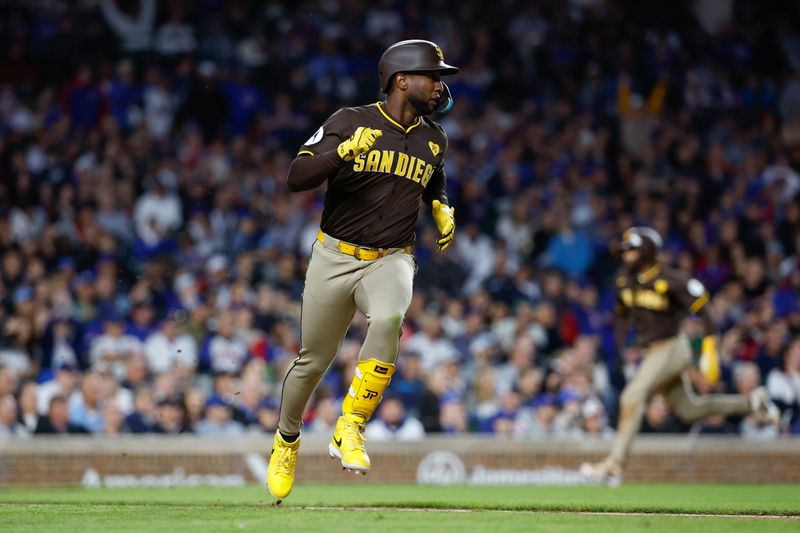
column 444, row 215
column 358, row 143
column 709, row 359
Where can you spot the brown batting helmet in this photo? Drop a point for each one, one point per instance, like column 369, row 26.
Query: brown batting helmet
column 646, row 240
column 415, row 55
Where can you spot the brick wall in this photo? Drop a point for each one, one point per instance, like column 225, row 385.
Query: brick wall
column 667, row 459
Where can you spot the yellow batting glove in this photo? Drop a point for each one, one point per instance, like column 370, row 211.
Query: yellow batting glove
column 444, row 215
column 709, row 359
column 358, row 143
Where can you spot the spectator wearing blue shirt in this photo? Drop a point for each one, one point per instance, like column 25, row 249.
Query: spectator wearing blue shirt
column 218, row 422
column 85, row 404
column 83, row 99
column 124, row 96
column 246, row 101
column 569, row 251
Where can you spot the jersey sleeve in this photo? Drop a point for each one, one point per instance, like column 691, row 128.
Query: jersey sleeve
column 691, row 293
column 336, row 129
column 620, row 284
column 437, row 186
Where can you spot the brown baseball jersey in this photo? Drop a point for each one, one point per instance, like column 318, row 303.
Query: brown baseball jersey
column 658, row 300
column 374, row 200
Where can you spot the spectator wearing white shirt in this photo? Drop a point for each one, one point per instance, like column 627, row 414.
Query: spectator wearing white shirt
column 8, row 418
column 784, row 178
column 113, row 420
column 27, row 222
column 783, row 384
column 113, row 392
column 393, row 423
column 59, row 344
column 175, row 36
column 747, row 377
column 521, row 358
column 28, row 414
column 112, row 349
column 225, row 351
column 433, row 347
column 515, row 227
column 62, row 384
column 157, row 214
column 134, row 29
column 475, row 252
column 168, row 347
column 159, row 105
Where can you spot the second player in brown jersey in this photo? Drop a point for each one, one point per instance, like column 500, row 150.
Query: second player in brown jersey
column 655, row 299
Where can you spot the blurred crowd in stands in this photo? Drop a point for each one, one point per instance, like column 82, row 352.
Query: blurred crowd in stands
column 152, row 257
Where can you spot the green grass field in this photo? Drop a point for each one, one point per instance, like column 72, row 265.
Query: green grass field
column 405, row 508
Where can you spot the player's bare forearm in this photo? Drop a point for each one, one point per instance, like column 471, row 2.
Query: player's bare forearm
column 310, row 171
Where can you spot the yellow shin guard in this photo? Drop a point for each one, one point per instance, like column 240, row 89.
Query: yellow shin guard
column 369, row 383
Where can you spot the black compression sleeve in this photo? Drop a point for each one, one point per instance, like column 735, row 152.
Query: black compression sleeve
column 309, row 171
column 436, row 189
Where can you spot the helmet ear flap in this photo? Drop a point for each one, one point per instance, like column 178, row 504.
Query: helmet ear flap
column 445, row 100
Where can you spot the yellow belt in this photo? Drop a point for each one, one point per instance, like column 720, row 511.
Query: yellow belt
column 362, row 253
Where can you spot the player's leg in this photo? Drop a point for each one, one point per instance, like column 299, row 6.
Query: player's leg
column 658, row 368
column 690, row 407
column 383, row 295
column 327, row 309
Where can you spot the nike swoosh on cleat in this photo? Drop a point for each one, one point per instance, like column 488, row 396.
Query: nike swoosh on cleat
column 338, row 442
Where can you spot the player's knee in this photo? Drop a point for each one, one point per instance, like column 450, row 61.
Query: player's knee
column 309, row 368
column 686, row 411
column 386, row 326
column 632, row 397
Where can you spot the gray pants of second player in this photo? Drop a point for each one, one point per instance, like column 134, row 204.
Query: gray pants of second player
column 336, row 285
column 663, row 370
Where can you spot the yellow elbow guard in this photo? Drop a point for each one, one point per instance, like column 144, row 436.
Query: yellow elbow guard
column 369, row 383
column 709, row 360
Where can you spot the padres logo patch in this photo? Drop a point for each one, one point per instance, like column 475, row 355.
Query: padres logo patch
column 439, row 52
column 434, row 148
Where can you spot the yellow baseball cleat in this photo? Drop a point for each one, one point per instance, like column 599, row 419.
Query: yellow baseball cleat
column 280, row 473
column 347, row 443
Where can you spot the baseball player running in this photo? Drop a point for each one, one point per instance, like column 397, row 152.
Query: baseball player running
column 656, row 299
column 381, row 162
